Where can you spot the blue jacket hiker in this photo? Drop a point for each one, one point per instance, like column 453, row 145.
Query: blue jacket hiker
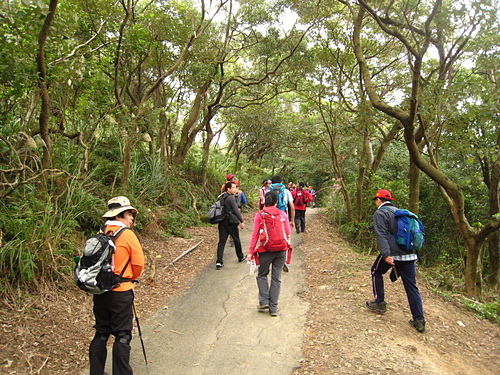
column 285, row 199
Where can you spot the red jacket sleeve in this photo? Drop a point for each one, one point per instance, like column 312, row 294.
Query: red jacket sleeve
column 255, row 234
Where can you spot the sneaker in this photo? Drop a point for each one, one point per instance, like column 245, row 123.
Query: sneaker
column 219, row 265
column 242, row 259
column 273, row 313
column 419, row 325
column 262, row 308
column 285, row 268
column 380, row 307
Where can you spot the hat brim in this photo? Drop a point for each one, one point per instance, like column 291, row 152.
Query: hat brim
column 114, row 212
column 383, row 198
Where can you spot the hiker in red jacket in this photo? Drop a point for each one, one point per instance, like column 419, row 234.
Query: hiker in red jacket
column 300, row 199
column 272, row 228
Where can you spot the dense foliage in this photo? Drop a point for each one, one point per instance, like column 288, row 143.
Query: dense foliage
column 160, row 100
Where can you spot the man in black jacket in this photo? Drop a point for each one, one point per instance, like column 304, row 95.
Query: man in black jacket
column 391, row 254
column 229, row 226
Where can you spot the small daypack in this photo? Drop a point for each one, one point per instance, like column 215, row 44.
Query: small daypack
column 217, row 211
column 280, row 189
column 300, row 198
column 272, row 233
column 94, row 270
column 410, row 234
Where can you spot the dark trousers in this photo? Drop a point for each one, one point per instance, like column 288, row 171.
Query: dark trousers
column 300, row 221
column 226, row 229
column 113, row 316
column 408, row 273
column 269, row 294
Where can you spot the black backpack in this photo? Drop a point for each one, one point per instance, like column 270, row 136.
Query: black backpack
column 94, row 269
column 217, row 211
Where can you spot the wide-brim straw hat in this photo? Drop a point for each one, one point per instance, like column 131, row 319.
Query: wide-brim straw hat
column 117, row 205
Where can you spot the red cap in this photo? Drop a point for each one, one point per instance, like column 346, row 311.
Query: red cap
column 229, row 176
column 386, row 194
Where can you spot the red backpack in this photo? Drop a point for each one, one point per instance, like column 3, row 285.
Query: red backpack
column 300, row 198
column 272, row 230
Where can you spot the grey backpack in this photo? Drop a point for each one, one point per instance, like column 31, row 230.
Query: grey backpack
column 94, row 269
column 217, row 211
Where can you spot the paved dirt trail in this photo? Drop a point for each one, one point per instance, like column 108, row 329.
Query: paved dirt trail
column 214, row 327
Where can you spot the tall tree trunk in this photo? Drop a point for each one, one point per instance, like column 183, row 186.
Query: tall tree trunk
column 473, row 269
column 127, row 161
column 340, row 176
column 361, row 175
column 494, row 242
column 206, row 155
column 164, row 141
column 414, row 196
column 190, row 129
column 46, row 108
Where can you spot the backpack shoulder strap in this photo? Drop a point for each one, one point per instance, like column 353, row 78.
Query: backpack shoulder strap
column 114, row 237
column 389, row 208
column 119, row 231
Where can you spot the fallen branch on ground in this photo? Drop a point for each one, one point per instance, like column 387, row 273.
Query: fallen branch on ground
column 183, row 254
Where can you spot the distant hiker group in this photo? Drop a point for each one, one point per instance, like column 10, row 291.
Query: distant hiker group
column 292, row 201
column 281, row 209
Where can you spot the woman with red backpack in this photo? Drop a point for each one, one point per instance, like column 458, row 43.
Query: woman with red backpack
column 272, row 229
column 301, row 197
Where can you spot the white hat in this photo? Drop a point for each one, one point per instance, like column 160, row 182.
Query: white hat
column 117, row 205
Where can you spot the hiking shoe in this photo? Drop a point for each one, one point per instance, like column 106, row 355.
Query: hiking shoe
column 380, row 307
column 285, row 268
column 242, row 259
column 419, row 325
column 262, row 308
column 273, row 313
column 219, row 265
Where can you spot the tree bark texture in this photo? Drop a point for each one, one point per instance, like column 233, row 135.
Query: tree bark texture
column 494, row 242
column 46, row 107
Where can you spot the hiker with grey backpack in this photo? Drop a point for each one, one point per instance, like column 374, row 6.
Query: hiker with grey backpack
column 399, row 235
column 228, row 226
column 110, row 265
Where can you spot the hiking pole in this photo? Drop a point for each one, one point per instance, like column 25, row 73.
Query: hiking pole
column 140, row 336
